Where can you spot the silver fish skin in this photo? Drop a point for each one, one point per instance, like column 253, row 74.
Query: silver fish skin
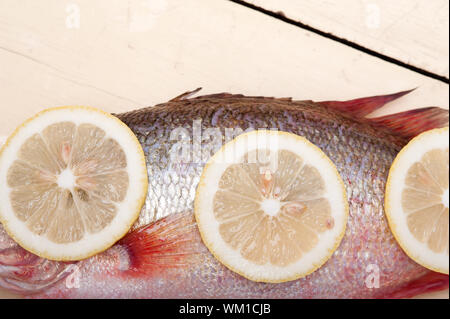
column 163, row 255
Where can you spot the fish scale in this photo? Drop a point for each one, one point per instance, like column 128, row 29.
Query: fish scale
column 349, row 155
column 163, row 256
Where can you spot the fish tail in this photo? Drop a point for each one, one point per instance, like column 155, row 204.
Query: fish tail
column 413, row 122
column 430, row 282
column 171, row 242
column 360, row 108
column 406, row 124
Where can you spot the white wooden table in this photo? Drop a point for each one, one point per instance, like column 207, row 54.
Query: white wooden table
column 121, row 55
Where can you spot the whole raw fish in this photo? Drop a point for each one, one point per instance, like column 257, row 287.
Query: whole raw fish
column 163, row 255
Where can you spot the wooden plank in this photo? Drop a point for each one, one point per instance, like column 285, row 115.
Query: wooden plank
column 125, row 55
column 415, row 32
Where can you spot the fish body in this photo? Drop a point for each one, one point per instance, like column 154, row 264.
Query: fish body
column 163, row 255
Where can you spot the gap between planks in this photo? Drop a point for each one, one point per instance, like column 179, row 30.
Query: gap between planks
column 280, row 15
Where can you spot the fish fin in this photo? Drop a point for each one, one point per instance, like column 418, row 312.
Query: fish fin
column 362, row 107
column 430, row 282
column 413, row 122
column 226, row 95
column 223, row 95
column 185, row 95
column 167, row 243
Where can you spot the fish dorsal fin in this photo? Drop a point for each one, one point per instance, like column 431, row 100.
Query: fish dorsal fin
column 360, row 108
column 167, row 243
column 413, row 122
column 186, row 95
column 406, row 124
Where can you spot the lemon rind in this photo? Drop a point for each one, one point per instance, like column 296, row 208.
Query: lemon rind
column 140, row 203
column 388, row 200
column 294, row 276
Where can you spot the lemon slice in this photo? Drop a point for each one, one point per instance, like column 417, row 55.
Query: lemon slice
column 73, row 182
column 416, row 200
column 271, row 206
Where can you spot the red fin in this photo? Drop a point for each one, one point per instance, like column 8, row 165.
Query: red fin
column 430, row 282
column 364, row 106
column 411, row 123
column 167, row 243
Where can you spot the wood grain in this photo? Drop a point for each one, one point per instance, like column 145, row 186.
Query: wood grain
column 413, row 31
column 129, row 54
